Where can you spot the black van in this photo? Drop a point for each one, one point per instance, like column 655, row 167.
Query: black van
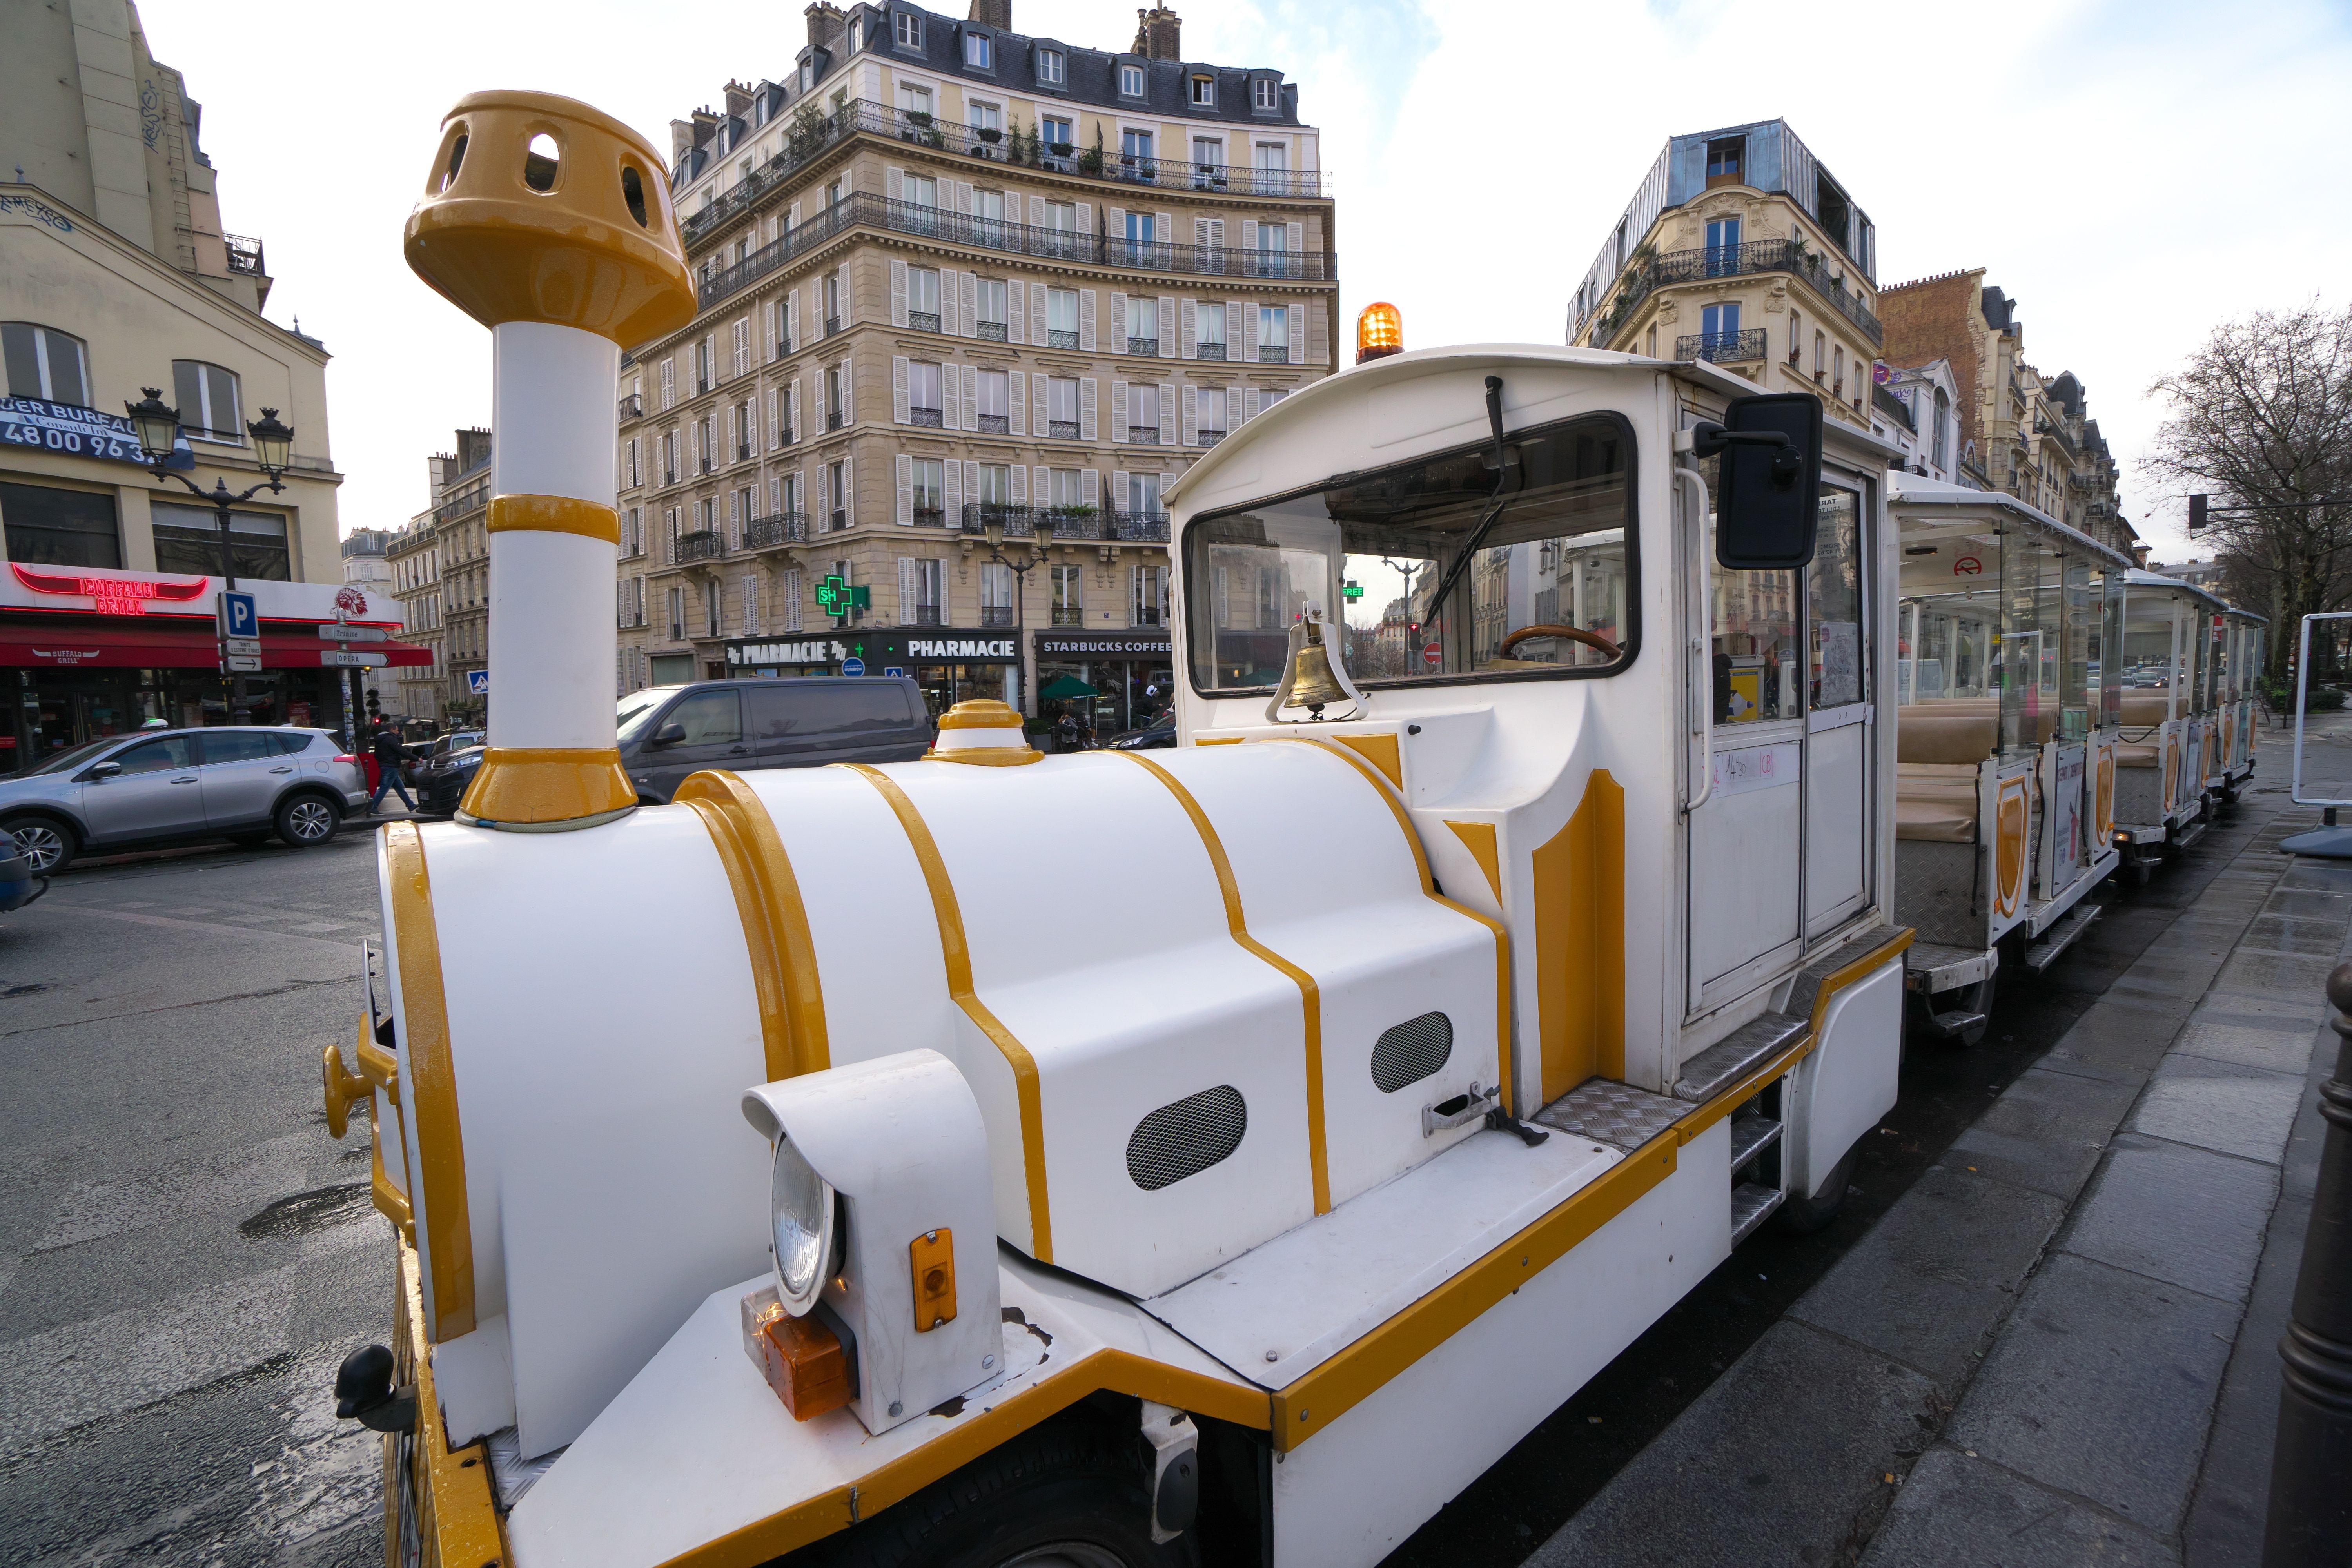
column 670, row 731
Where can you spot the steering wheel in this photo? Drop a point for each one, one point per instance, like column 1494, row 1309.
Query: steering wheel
column 1593, row 641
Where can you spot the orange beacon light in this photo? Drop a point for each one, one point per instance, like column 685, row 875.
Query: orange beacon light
column 1380, row 333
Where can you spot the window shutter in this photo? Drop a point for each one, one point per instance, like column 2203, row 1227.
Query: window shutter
column 1249, row 333
column 1036, row 212
column 1191, row 414
column 1041, row 484
column 906, row 573
column 972, row 397
column 970, row 285
column 1297, row 333
column 1163, row 227
column 1249, row 234
column 897, row 290
column 970, row 482
column 1086, row 217
column 1019, row 477
column 951, row 486
column 1089, row 487
column 1189, row 326
column 849, row 490
column 1015, row 403
column 1086, row 408
column 898, row 388
column 1168, row 414
column 1241, row 402
column 1118, row 489
column 965, row 203
column 1119, row 411
column 795, row 219
column 1040, row 386
column 848, row 394
column 1037, row 313
column 906, row 488
column 848, row 301
column 1015, row 325
column 1168, row 326
column 947, row 301
column 894, row 183
column 1115, row 220
column 1118, row 323
column 1298, row 241
column 1087, row 323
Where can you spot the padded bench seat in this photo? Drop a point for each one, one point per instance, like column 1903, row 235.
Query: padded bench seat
column 1936, row 803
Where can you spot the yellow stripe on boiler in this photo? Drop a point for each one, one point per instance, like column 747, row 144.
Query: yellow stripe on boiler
column 448, row 1230
column 553, row 515
column 776, row 921
column 957, row 952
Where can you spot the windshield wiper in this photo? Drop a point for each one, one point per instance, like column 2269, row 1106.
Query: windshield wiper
column 1505, row 465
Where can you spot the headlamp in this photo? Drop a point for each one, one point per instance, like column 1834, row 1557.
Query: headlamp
column 804, row 1207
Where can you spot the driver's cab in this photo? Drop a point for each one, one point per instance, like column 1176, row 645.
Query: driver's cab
column 1492, row 576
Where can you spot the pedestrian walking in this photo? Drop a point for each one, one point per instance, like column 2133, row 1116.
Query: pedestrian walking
column 388, row 751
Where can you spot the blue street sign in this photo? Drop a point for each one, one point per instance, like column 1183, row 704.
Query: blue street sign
column 238, row 617
column 477, row 681
column 853, row 666
column 894, row 669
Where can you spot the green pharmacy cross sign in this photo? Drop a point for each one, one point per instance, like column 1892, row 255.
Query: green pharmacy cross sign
column 838, row 598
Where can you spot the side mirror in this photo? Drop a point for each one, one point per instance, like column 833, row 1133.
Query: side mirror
column 669, row 734
column 103, row 770
column 1768, row 493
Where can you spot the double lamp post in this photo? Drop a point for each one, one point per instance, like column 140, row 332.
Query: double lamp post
column 157, row 425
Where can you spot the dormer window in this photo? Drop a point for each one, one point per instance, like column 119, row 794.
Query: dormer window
column 979, row 52
column 1131, row 81
column 1051, row 70
column 1204, row 92
column 1724, row 156
column 1266, row 94
column 909, row 29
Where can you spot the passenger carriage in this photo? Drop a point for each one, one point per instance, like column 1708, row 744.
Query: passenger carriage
column 2009, row 705
column 2169, row 719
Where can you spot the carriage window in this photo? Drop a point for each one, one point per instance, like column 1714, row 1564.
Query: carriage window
column 1833, row 603
column 1551, row 588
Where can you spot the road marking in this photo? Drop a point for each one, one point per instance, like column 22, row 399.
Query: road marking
column 213, row 926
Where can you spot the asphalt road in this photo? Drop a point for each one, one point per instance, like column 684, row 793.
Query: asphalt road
column 184, row 1254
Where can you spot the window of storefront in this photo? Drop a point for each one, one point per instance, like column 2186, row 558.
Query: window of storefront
column 50, row 526
column 187, row 539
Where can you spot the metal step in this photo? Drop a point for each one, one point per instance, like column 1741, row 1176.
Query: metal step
column 1751, row 1203
column 2190, row 835
column 1935, row 967
column 1750, row 1135
column 2062, row 936
column 1748, row 1047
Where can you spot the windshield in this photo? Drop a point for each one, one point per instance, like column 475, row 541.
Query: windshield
column 67, row 762
column 1551, row 588
column 636, row 711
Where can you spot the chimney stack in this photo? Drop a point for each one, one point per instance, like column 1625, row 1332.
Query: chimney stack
column 996, row 13
column 825, row 25
column 1156, row 34
column 738, row 97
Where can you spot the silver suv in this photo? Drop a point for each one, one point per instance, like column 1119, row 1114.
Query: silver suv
column 171, row 786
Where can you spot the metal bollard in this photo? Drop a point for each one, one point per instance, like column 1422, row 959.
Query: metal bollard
column 2310, row 1519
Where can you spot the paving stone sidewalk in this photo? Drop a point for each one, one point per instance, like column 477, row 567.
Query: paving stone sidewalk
column 2059, row 1346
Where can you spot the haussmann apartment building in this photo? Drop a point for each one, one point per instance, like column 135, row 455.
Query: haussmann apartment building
column 959, row 282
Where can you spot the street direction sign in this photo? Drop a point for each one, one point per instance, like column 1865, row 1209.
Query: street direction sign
column 477, row 682
column 242, row 648
column 238, row 615
column 339, row 631
column 853, row 666
column 241, row 664
column 336, row 659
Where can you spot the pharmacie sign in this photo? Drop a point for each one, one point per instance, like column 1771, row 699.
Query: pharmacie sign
column 957, row 647
column 807, row 650
column 74, row 431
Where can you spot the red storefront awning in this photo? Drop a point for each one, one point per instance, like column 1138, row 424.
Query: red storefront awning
column 92, row 644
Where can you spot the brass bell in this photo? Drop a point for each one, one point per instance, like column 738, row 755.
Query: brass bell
column 1312, row 682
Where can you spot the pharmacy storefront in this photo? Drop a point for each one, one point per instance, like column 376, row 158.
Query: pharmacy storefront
column 87, row 652
column 950, row 664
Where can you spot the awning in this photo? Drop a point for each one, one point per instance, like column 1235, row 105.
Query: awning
column 135, row 647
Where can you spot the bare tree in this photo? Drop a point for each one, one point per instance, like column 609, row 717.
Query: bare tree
column 2262, row 418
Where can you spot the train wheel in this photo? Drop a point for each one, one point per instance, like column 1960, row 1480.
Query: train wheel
column 1804, row 1214
column 1064, row 1496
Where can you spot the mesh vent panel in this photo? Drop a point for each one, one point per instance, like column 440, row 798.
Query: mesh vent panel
column 1411, row 1051
column 1186, row 1137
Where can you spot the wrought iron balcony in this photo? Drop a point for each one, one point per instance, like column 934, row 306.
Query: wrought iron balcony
column 923, row 320
column 245, row 256
column 1274, row 354
column 930, row 517
column 839, row 520
column 831, row 323
column 926, row 417
column 1207, row 350
column 1721, row 348
column 833, row 419
column 1069, row 616
column 1143, row 435
column 783, row 347
column 1060, row 524
column 703, row 544
column 1149, row 347
column 706, row 464
column 995, row 425
column 926, row 616
column 787, row 436
column 1138, row 527
column 1639, row 281
column 996, row 614
column 743, row 451
column 1062, row 429
column 783, row 528
column 1057, row 339
column 1207, row 437
column 991, row 333
column 864, row 209
column 633, row 406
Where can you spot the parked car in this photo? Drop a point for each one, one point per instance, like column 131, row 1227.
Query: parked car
column 1155, row 736
column 800, row 721
column 176, row 787
column 19, row 883
column 440, row 782
column 444, row 745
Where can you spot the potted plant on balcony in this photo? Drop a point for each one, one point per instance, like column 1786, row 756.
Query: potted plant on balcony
column 1090, row 162
column 1061, row 149
column 988, row 133
column 807, row 133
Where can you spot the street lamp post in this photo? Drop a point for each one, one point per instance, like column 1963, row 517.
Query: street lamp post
column 158, row 427
column 992, row 527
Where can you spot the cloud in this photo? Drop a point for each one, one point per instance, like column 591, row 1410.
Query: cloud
column 2130, row 174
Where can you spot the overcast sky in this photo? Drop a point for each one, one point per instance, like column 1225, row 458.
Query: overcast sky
column 2130, row 174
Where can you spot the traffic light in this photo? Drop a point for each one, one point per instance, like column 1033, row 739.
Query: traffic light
column 375, row 709
column 2196, row 513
